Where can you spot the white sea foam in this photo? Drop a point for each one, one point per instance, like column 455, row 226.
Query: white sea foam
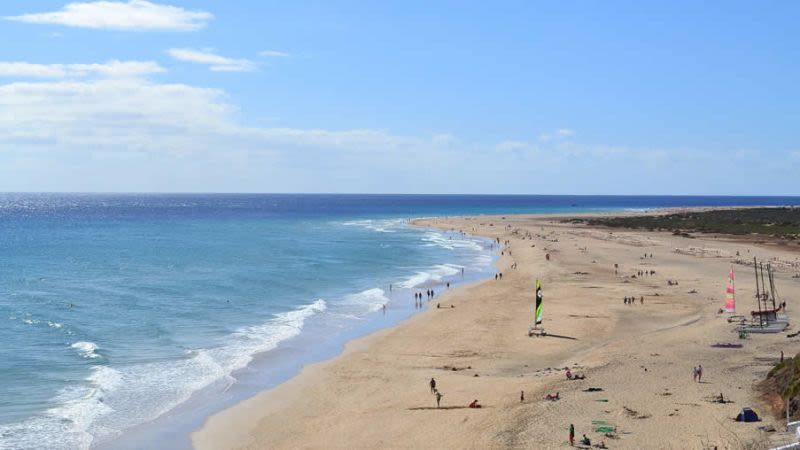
column 87, row 349
column 111, row 400
column 65, row 426
column 367, row 301
column 436, row 239
column 381, row 225
column 434, row 275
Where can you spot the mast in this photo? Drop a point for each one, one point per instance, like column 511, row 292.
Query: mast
column 771, row 275
column 758, row 294
column 763, row 286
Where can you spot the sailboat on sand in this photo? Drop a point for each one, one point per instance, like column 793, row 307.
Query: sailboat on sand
column 537, row 329
column 766, row 319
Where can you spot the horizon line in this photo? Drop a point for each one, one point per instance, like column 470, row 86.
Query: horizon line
column 386, row 194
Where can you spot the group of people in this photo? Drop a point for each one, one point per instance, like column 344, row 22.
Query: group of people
column 438, row 395
column 418, row 297
column 573, row 376
column 498, row 275
column 642, row 273
column 632, row 300
column 584, row 440
column 697, row 373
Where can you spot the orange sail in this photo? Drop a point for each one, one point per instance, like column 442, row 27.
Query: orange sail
column 730, row 299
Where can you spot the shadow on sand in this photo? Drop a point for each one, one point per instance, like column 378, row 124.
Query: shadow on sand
column 560, row 336
column 424, row 408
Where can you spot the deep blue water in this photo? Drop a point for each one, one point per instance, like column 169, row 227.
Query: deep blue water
column 117, row 308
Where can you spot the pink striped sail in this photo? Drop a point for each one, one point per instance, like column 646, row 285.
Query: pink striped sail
column 730, row 299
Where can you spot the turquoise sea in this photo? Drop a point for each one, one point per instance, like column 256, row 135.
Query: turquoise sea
column 126, row 319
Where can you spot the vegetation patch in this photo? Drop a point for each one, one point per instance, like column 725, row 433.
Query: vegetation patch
column 778, row 222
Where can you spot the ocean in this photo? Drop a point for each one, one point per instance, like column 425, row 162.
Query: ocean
column 128, row 318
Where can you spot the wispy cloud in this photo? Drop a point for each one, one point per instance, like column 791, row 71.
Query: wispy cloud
column 215, row 62
column 564, row 132
column 559, row 134
column 273, row 54
column 506, row 147
column 113, row 68
column 135, row 15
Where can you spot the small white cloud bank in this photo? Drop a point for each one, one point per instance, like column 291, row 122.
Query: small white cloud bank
column 134, row 15
column 273, row 54
column 215, row 62
column 114, row 68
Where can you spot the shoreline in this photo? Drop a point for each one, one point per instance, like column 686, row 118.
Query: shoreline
column 270, row 369
column 263, row 421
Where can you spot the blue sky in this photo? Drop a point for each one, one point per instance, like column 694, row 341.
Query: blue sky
column 408, row 97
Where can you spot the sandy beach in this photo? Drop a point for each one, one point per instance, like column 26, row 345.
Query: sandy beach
column 637, row 358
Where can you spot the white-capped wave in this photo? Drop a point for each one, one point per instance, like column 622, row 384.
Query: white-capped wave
column 379, row 225
column 437, row 239
column 65, row 426
column 87, row 349
column 110, row 400
column 367, row 301
column 434, row 275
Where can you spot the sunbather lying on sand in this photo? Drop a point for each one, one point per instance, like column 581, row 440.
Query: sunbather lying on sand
column 571, row 376
column 553, row 397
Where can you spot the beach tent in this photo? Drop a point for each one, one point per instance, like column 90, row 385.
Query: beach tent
column 747, row 415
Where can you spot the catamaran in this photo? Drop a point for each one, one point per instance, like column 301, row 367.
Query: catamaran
column 766, row 319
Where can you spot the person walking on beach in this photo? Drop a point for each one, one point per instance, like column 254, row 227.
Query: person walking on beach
column 433, row 386
column 571, row 434
column 699, row 373
column 694, row 374
column 438, row 398
column 522, row 396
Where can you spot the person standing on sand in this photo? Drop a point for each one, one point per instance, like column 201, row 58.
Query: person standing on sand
column 571, row 434
column 438, row 398
column 694, row 374
column 433, row 386
column 522, row 396
column 699, row 373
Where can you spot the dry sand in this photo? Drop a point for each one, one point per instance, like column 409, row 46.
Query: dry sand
column 376, row 394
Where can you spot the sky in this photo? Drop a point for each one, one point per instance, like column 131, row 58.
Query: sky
column 561, row 97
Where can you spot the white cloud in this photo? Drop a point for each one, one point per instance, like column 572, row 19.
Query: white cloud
column 135, row 134
column 215, row 62
column 564, row 132
column 119, row 114
column 110, row 113
column 513, row 146
column 135, row 15
column 112, row 68
column 559, row 134
column 273, row 54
